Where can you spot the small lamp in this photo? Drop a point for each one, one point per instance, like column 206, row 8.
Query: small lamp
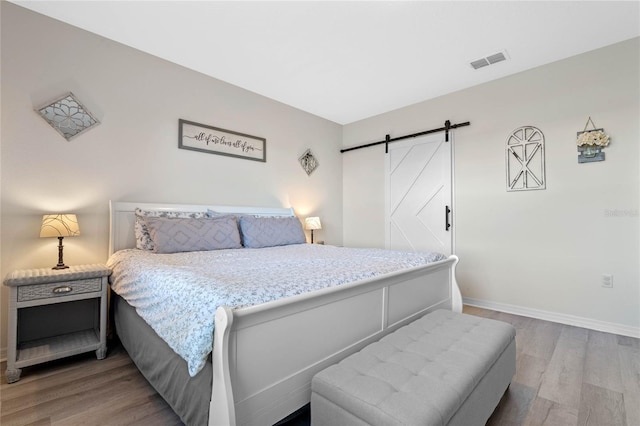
column 59, row 225
column 312, row 223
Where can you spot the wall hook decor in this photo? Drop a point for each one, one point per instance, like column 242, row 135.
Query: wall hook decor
column 68, row 116
column 308, row 162
column 590, row 143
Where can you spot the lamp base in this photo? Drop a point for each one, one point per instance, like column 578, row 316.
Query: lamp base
column 60, row 264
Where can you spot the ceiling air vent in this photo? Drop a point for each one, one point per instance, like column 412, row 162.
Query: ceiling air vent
column 489, row 60
column 479, row 63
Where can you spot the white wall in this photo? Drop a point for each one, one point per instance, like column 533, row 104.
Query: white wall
column 536, row 251
column 133, row 154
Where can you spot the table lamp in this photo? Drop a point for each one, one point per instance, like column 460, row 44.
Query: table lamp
column 312, row 223
column 59, row 225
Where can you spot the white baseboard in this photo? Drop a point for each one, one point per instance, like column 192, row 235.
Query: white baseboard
column 608, row 327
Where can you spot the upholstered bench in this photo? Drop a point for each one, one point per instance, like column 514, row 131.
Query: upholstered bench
column 442, row 369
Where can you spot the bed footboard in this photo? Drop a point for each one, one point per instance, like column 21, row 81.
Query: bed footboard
column 221, row 387
column 264, row 356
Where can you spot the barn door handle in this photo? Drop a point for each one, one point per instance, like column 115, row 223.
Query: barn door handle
column 447, row 224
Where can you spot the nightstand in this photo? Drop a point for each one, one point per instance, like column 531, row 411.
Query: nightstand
column 55, row 314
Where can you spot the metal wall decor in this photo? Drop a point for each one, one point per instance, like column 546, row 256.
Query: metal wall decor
column 308, row 162
column 68, row 116
column 213, row 140
column 590, row 143
column 525, row 159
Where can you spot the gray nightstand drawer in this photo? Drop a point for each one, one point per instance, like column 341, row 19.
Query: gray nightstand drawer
column 58, row 289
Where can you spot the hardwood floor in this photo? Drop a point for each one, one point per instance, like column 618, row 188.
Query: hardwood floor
column 569, row 376
column 565, row 376
column 82, row 390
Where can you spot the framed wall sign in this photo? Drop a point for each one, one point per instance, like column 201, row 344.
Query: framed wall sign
column 203, row 138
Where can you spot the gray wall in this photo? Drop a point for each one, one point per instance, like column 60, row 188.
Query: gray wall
column 133, row 155
column 535, row 252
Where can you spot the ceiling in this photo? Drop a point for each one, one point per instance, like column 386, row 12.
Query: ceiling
column 350, row 60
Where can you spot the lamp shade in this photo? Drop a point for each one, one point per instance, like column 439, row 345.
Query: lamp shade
column 312, row 223
column 59, row 225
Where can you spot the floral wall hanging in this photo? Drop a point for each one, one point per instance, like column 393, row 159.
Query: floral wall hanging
column 590, row 143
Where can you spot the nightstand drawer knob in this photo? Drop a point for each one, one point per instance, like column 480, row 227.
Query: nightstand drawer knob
column 62, row 289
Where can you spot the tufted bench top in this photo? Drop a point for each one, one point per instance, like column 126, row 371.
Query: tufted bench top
column 419, row 374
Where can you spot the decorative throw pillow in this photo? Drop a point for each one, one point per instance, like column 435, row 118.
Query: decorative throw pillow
column 175, row 235
column 260, row 232
column 143, row 239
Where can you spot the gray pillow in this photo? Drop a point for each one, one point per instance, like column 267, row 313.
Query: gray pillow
column 260, row 232
column 175, row 235
column 143, row 239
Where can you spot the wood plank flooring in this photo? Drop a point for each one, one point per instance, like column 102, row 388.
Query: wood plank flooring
column 568, row 376
column 565, row 376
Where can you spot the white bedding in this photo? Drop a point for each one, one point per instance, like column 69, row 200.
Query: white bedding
column 178, row 294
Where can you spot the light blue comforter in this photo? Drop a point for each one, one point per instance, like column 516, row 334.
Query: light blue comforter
column 178, row 294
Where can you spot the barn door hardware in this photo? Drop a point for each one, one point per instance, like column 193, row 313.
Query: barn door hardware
column 447, row 127
column 447, row 224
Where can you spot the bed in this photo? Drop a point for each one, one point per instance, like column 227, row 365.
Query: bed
column 264, row 356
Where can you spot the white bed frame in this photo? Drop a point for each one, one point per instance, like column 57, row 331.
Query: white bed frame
column 264, row 356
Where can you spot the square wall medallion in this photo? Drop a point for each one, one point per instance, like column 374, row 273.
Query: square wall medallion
column 68, row 116
column 308, row 162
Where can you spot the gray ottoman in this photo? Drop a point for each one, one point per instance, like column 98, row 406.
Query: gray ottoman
column 442, row 369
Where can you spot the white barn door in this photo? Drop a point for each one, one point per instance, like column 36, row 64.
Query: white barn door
column 419, row 194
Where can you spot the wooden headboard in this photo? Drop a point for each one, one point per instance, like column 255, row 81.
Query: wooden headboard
column 122, row 217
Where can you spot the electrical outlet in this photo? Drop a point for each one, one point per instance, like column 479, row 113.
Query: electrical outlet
column 607, row 280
